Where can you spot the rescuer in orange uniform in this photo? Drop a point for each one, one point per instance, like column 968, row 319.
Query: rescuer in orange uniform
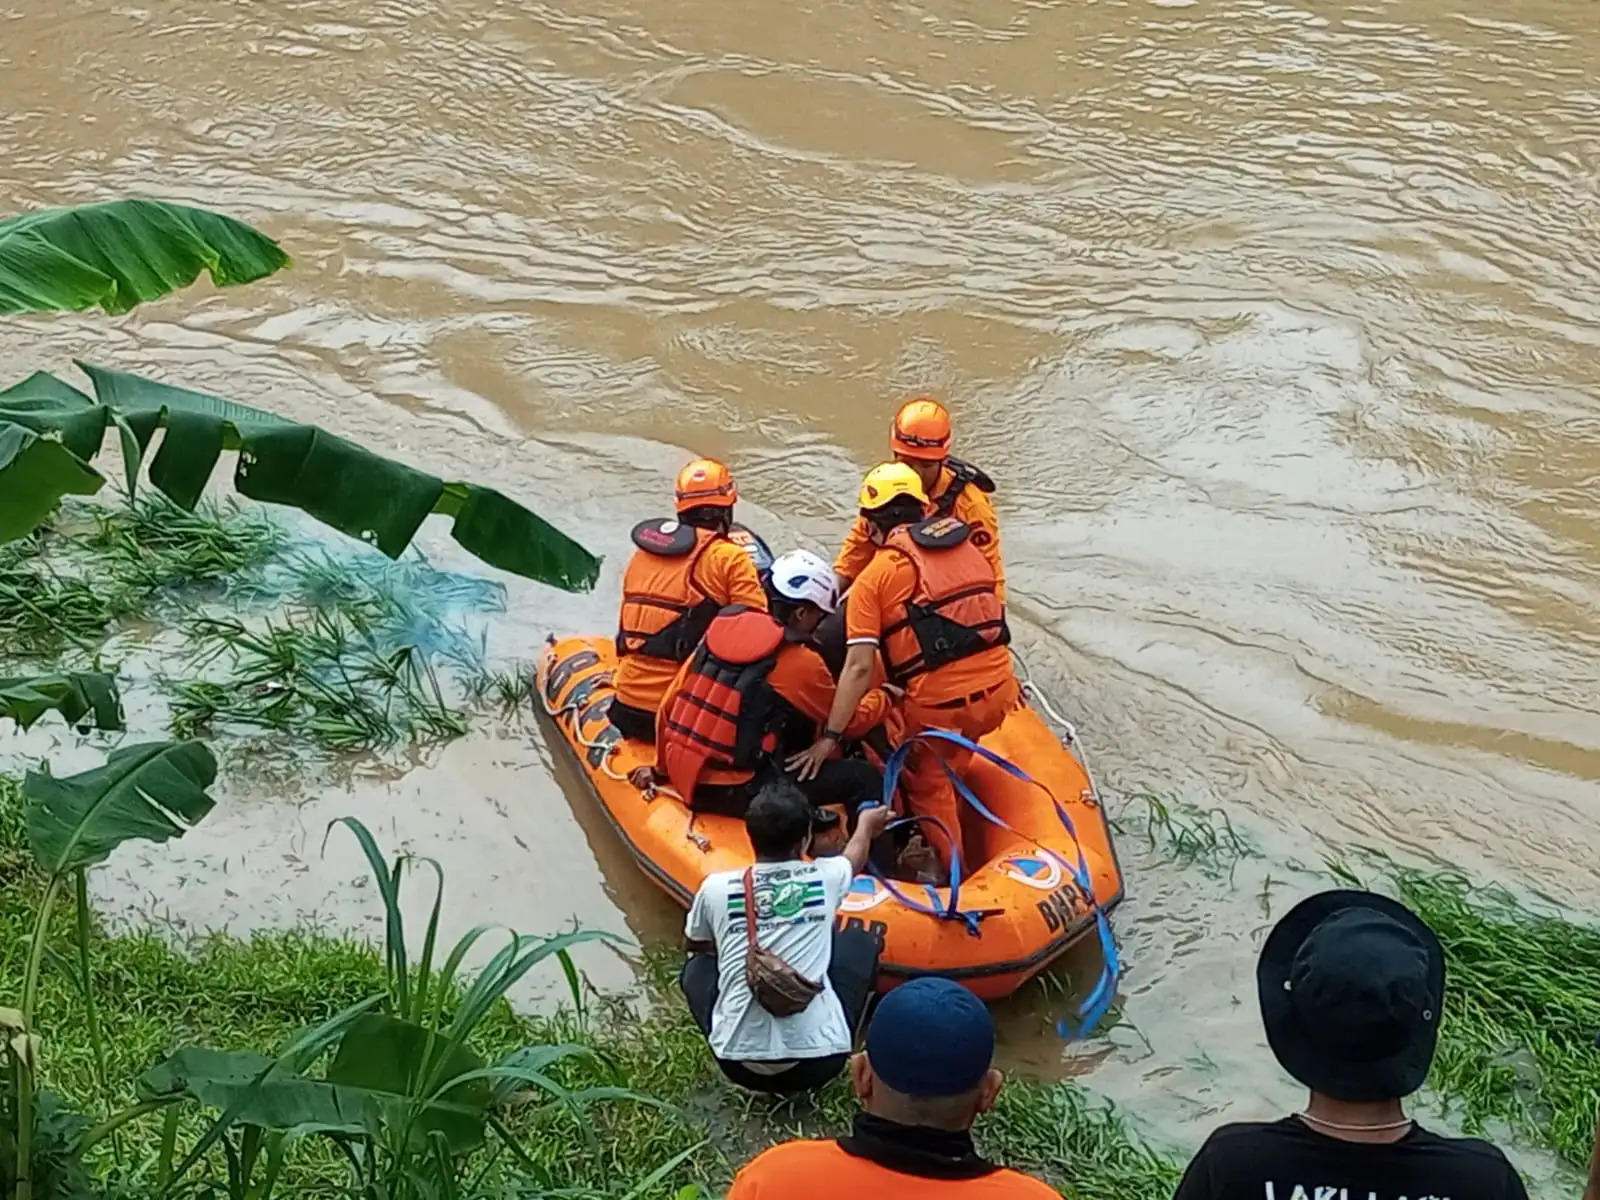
column 920, row 438
column 755, row 691
column 929, row 603
column 923, row 1079
column 682, row 574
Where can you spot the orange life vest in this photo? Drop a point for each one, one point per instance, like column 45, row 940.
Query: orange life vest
column 963, row 474
column 664, row 615
column 954, row 612
column 724, row 715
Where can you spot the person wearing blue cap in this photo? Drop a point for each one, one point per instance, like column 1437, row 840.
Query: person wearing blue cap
column 1351, row 986
column 925, row 1076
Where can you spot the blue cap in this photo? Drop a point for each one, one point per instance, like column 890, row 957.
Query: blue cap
column 930, row 1037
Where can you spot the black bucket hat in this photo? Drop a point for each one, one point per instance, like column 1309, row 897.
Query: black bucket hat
column 1351, row 988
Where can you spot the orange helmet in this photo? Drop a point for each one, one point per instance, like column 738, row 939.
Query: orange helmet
column 705, row 481
column 921, row 430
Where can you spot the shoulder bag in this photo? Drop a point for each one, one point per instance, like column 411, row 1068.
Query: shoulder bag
column 777, row 986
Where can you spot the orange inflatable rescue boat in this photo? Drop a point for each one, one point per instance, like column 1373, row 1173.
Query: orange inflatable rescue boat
column 1041, row 872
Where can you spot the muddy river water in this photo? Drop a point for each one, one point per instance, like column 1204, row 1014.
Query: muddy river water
column 1278, row 324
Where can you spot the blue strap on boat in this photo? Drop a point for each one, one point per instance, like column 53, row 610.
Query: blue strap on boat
column 935, row 907
column 951, row 910
column 1099, row 1000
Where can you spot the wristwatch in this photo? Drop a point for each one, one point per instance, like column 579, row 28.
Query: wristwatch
column 837, row 735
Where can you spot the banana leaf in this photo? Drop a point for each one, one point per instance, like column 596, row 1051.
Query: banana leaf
column 259, row 1091
column 392, row 1060
column 154, row 791
column 35, row 472
column 86, row 699
column 124, row 252
column 341, row 484
column 367, row 1087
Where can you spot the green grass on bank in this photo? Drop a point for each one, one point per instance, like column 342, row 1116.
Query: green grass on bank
column 1516, row 1047
column 1522, row 1009
column 235, row 994
column 1523, row 1005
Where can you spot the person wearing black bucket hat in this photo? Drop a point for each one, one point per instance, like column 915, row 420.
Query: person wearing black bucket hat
column 1351, row 986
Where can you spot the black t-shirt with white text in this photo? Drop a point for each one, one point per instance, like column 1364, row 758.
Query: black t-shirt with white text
column 1288, row 1160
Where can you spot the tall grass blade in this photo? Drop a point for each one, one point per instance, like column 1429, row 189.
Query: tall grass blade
column 429, row 944
column 667, row 1168
column 388, row 879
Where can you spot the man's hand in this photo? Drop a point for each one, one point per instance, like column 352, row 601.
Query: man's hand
column 870, row 823
column 873, row 820
column 808, row 762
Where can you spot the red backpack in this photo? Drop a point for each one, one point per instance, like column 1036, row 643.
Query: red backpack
column 722, row 716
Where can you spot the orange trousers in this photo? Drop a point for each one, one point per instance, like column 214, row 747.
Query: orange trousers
column 929, row 791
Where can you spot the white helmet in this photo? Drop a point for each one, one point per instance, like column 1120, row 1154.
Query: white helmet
column 801, row 575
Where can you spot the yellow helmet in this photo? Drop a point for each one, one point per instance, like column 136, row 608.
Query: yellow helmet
column 888, row 481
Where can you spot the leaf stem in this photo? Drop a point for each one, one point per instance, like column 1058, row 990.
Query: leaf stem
column 25, row 1080
column 97, row 1039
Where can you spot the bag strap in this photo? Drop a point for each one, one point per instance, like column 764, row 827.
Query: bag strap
column 750, row 910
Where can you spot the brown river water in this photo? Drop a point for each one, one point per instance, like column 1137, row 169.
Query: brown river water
column 1279, row 326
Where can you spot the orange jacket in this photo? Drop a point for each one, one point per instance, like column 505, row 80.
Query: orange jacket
column 958, row 584
column 800, row 677
column 678, row 592
column 970, row 505
column 806, row 1170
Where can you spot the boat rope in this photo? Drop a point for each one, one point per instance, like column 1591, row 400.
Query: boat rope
column 1036, row 694
column 940, row 910
column 1041, row 700
column 606, row 749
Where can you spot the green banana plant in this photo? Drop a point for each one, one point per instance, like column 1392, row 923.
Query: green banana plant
column 123, row 253
column 155, row 792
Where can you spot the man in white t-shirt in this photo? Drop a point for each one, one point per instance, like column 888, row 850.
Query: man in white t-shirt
column 795, row 905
